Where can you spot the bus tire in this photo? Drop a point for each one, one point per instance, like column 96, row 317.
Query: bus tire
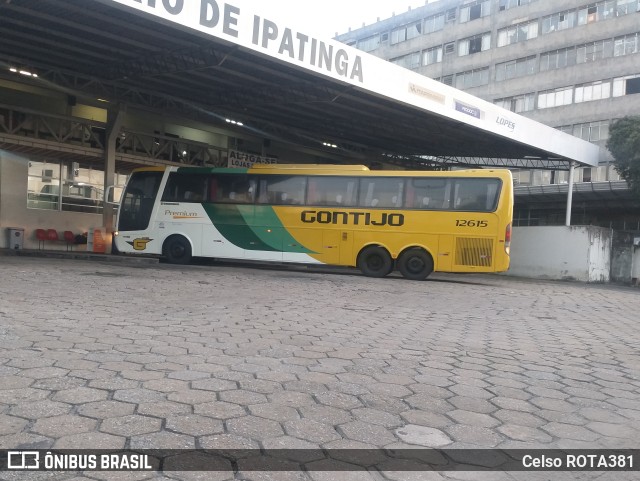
column 177, row 250
column 415, row 264
column 375, row 261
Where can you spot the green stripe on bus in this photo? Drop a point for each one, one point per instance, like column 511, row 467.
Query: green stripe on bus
column 255, row 228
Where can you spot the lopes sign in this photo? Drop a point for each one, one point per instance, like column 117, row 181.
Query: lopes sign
column 241, row 25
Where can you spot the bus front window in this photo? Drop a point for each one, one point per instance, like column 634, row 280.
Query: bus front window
column 137, row 201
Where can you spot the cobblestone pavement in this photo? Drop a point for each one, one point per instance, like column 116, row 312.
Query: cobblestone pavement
column 97, row 355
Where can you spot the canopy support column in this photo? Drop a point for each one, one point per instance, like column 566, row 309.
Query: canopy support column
column 572, row 170
column 114, row 124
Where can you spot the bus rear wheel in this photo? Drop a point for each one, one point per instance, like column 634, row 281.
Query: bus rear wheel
column 415, row 264
column 375, row 261
column 177, row 250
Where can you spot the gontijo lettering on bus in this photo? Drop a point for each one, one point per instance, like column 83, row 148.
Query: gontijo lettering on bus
column 226, row 20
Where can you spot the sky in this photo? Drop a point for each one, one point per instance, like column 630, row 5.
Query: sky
column 326, row 17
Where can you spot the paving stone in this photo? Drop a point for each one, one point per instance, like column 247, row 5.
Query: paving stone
column 479, row 436
column 253, row 427
column 15, row 382
column 375, row 416
column 192, row 396
column 165, row 439
column 106, row 409
column 338, row 400
column 166, row 385
column 291, row 398
column 163, row 408
column 423, row 436
column 275, row 412
column 11, row 424
column 80, row 395
column 228, row 441
column 312, row 431
column 564, row 431
column 131, row 425
column 40, row 409
column 138, row 395
column 524, row 433
column 472, row 404
column 59, row 426
column 194, row 424
column 326, row 414
column 519, row 418
column 426, row 418
column 13, row 396
column 367, row 433
column 473, row 419
column 94, row 439
column 386, row 403
column 240, row 396
column 613, row 430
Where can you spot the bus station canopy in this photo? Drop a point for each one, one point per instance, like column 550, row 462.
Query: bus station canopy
column 218, row 62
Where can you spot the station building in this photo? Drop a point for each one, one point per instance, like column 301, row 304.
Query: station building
column 130, row 83
column 572, row 65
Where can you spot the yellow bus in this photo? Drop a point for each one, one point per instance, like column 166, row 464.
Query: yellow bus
column 413, row 221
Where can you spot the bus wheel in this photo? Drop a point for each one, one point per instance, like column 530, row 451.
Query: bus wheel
column 375, row 262
column 415, row 264
column 177, row 250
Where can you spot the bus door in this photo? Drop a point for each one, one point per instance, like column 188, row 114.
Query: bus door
column 138, row 201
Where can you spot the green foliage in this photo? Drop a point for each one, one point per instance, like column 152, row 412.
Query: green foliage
column 624, row 145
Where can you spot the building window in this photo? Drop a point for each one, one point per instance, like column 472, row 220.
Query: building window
column 432, row 55
column 628, row 85
column 516, row 68
column 449, row 48
column 475, row 10
column 406, row 32
column 555, row 97
column 369, row 44
column 596, row 12
column 625, row 7
column 410, row 61
column 593, row 91
column 472, row 78
column 591, row 52
column 507, row 4
column 586, row 174
column 447, row 80
column 555, row 59
column 67, row 187
column 559, row 21
column 434, row 23
column 592, row 131
column 517, row 33
column 567, row 129
column 478, row 43
column 450, row 15
column 627, row 45
column 518, row 103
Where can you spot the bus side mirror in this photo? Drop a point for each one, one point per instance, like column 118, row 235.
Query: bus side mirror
column 108, row 195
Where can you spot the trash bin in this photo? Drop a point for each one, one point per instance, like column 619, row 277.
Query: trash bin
column 16, row 237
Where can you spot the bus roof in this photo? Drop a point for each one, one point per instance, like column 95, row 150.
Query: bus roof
column 328, row 170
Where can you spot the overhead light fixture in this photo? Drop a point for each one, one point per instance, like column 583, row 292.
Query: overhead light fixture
column 327, row 144
column 234, row 122
column 102, row 100
column 23, row 71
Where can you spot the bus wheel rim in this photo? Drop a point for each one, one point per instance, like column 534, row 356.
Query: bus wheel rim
column 415, row 265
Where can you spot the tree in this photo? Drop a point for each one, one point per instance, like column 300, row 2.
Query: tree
column 624, row 145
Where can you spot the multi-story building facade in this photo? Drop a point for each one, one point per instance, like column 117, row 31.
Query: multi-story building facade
column 572, row 65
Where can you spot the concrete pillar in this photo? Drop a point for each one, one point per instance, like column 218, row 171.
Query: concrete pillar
column 572, row 170
column 114, row 123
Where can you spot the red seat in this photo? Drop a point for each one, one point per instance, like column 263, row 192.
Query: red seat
column 41, row 235
column 70, row 239
column 52, row 235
